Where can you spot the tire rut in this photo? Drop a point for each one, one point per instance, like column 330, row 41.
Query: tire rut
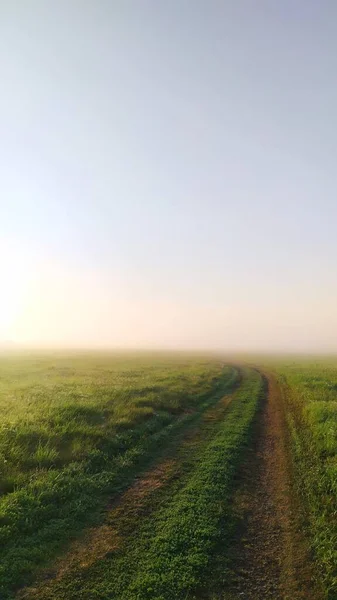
column 270, row 557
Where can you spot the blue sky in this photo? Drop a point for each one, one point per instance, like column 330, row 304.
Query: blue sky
column 168, row 173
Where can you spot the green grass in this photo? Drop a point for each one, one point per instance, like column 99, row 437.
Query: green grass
column 310, row 389
column 170, row 555
column 74, row 431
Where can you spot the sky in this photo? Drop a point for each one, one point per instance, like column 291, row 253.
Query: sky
column 168, row 174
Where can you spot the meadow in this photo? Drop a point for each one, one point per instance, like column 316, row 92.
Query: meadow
column 120, row 475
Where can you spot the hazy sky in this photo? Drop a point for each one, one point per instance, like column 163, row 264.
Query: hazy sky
column 168, row 173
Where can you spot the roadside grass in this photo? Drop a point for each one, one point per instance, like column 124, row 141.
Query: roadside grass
column 310, row 391
column 171, row 552
column 76, row 429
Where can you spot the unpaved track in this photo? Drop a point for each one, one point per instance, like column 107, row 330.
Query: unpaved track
column 270, row 555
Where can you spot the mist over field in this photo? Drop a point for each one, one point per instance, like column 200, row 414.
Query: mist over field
column 54, row 308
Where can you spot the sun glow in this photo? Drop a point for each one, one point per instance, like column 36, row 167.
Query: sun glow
column 16, row 275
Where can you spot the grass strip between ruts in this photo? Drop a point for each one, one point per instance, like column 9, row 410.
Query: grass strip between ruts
column 187, row 531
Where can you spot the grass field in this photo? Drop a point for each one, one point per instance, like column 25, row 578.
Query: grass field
column 310, row 390
column 122, row 477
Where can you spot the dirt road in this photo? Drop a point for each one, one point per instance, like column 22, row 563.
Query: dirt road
column 268, row 556
column 271, row 558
